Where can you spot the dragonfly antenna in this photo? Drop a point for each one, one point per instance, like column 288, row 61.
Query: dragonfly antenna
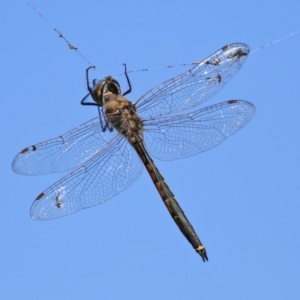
column 71, row 46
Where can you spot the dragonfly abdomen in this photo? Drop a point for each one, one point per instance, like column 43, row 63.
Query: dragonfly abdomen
column 170, row 201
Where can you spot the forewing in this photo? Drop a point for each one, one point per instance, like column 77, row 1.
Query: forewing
column 180, row 136
column 63, row 153
column 107, row 173
column 194, row 86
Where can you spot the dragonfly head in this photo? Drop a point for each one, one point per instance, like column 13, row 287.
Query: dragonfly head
column 103, row 88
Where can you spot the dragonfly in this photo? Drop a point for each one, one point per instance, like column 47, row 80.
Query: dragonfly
column 108, row 153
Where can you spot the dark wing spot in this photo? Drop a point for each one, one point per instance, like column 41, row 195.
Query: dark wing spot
column 232, row 101
column 226, row 47
column 40, row 196
column 24, row 150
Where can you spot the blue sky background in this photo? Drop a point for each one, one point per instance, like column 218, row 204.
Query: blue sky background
column 242, row 197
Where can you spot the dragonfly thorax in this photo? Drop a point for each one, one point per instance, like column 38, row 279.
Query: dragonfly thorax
column 121, row 113
column 103, row 88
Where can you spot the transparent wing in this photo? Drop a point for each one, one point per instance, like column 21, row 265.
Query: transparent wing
column 63, row 153
column 195, row 85
column 180, row 136
column 111, row 170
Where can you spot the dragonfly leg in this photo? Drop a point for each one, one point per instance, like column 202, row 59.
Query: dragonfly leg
column 90, row 89
column 128, row 81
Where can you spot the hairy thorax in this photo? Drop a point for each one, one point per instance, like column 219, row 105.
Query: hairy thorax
column 121, row 113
